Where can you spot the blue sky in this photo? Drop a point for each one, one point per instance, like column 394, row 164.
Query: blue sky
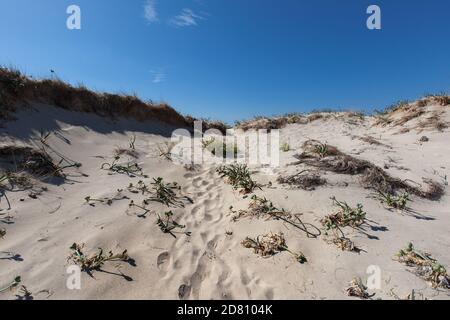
column 233, row 59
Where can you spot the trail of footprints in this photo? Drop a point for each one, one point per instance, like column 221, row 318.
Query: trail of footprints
column 205, row 218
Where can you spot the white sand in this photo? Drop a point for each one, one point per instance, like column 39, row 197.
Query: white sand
column 210, row 263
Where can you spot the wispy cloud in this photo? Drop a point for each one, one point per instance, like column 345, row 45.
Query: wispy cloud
column 158, row 76
column 150, row 13
column 186, row 18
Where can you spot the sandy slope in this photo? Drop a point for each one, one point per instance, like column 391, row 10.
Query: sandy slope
column 211, row 264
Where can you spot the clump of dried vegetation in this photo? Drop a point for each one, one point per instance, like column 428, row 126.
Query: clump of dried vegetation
column 285, row 147
column 346, row 216
column 425, row 266
column 262, row 208
column 329, row 158
column 303, row 180
column 96, row 261
column 271, row 244
column 357, row 289
column 18, row 91
column 239, row 177
column 279, row 122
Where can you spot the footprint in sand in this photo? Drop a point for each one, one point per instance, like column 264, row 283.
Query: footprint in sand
column 163, row 261
column 184, row 291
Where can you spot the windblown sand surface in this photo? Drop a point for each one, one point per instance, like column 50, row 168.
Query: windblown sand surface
column 211, row 263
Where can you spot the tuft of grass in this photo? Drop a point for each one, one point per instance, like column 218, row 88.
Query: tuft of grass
column 346, row 216
column 271, row 244
column 168, row 225
column 357, row 289
column 393, row 201
column 2, row 233
column 239, row 177
column 426, row 267
column 12, row 284
column 95, row 261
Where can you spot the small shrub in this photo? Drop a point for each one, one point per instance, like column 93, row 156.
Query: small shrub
column 239, row 177
column 346, row 216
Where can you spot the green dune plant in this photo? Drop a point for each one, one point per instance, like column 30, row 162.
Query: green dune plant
column 239, row 177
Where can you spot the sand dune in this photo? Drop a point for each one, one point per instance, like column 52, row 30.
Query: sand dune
column 45, row 219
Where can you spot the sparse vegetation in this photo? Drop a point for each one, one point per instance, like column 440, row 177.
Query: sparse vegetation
column 393, row 201
column 329, row 158
column 271, row 244
column 131, row 169
column 96, row 261
column 220, row 147
column 425, row 266
column 302, row 180
column 285, row 147
column 346, row 216
column 165, row 193
column 239, row 177
column 24, row 294
column 165, row 150
column 36, row 162
column 261, row 208
column 168, row 225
